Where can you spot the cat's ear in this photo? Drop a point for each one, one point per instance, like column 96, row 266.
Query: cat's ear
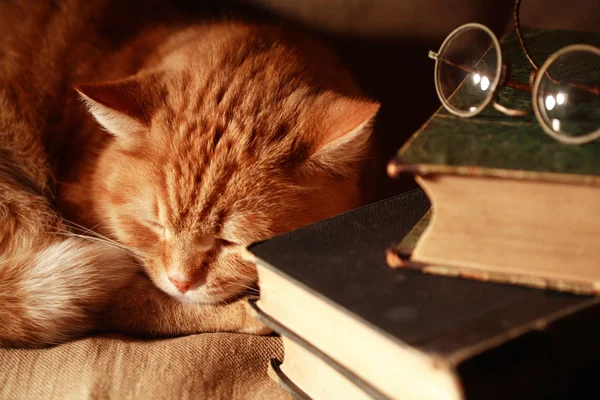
column 345, row 129
column 121, row 107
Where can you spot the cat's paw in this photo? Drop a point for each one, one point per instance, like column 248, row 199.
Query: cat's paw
column 251, row 324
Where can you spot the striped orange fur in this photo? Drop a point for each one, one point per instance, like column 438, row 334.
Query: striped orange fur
column 177, row 142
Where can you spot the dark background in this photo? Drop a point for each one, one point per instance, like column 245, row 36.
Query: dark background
column 385, row 44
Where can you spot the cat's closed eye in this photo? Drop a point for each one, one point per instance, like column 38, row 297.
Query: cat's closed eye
column 154, row 224
column 226, row 243
column 159, row 228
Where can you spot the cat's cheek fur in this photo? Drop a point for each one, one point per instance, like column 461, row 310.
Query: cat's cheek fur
column 122, row 200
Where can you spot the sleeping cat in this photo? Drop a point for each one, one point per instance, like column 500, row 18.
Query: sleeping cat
column 141, row 150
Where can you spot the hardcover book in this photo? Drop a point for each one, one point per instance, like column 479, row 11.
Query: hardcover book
column 409, row 335
column 510, row 203
column 308, row 373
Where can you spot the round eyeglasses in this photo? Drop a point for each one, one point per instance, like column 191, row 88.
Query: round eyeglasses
column 565, row 90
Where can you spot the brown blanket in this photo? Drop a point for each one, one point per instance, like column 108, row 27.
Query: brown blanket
column 204, row 366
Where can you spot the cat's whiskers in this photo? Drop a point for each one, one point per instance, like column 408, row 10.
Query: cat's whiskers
column 89, row 238
column 250, row 289
column 104, row 238
column 82, row 231
column 133, row 253
column 89, row 230
column 89, row 235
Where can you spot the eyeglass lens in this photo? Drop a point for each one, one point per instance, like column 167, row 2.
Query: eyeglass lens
column 566, row 104
column 467, row 70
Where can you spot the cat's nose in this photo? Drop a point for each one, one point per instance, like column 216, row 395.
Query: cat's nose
column 182, row 286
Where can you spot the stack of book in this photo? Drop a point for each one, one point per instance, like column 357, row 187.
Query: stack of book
column 354, row 328
column 515, row 220
column 510, row 203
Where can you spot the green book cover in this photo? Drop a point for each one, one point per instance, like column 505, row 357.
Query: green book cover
column 493, row 144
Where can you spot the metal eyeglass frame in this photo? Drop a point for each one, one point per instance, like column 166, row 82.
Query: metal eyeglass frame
column 501, row 78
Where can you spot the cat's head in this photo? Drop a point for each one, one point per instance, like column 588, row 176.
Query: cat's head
column 221, row 150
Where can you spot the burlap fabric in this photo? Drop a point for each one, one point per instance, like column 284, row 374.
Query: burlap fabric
column 203, row 366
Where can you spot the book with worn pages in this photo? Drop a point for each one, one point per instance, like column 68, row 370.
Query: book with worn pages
column 308, row 373
column 352, row 324
column 509, row 202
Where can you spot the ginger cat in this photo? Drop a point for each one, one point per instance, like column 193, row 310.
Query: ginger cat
column 141, row 150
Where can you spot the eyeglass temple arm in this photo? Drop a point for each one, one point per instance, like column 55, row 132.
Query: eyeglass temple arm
column 591, row 89
column 513, row 112
column 508, row 82
column 595, row 90
column 526, row 87
column 534, row 64
column 517, row 21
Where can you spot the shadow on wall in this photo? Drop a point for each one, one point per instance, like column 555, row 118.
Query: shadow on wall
column 400, row 76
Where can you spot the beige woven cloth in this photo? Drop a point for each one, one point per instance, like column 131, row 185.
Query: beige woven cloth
column 204, row 366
